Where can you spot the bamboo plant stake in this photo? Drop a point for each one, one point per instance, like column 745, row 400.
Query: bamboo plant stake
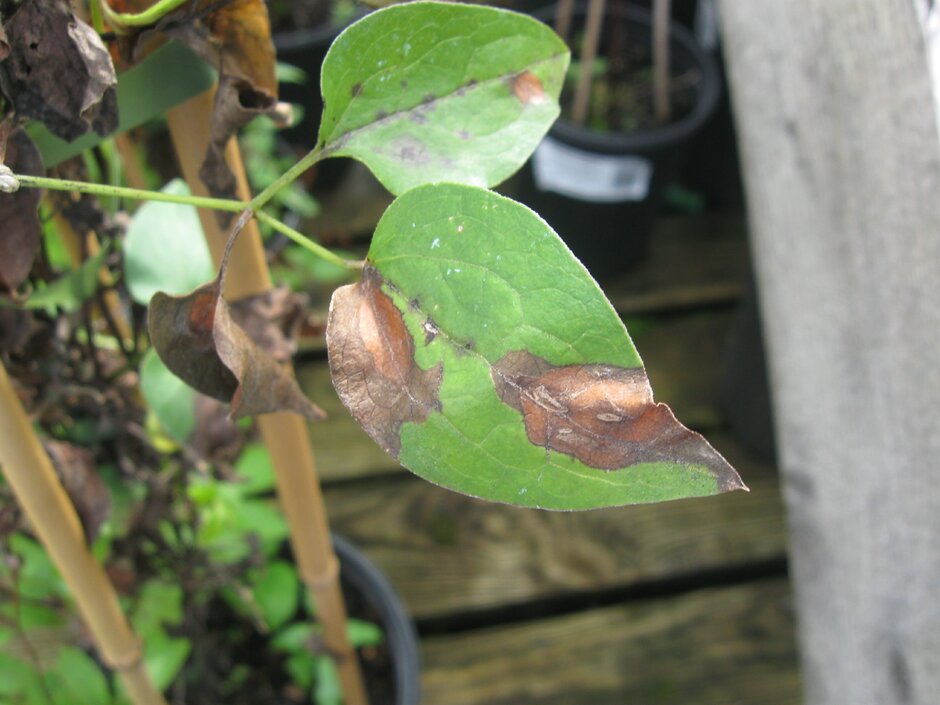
column 661, row 12
column 45, row 503
column 284, row 434
column 592, row 33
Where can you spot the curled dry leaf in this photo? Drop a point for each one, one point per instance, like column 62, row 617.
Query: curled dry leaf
column 18, row 213
column 89, row 494
column 199, row 342
column 58, row 71
column 272, row 320
column 235, row 37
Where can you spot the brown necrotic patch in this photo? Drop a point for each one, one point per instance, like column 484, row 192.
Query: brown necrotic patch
column 527, row 87
column 372, row 362
column 602, row 415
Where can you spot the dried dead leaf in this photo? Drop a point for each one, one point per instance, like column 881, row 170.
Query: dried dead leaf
column 89, row 494
column 272, row 320
column 21, row 232
column 58, row 71
column 198, row 341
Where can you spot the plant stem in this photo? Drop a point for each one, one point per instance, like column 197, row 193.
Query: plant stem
column 120, row 20
column 288, row 177
column 219, row 204
column 305, row 242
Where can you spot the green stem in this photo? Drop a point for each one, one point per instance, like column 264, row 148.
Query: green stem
column 306, row 242
column 307, row 161
column 219, row 204
column 149, row 16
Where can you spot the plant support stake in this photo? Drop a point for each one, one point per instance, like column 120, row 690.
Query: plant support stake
column 38, row 491
column 592, row 33
column 284, row 434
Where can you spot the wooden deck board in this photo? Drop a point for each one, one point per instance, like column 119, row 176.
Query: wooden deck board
column 719, row 646
column 445, row 552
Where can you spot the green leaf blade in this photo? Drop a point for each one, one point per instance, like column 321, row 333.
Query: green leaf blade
column 503, row 372
column 429, row 91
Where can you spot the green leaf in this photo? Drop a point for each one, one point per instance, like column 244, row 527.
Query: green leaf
column 159, row 605
column 255, row 467
column 20, row 682
column 293, row 637
column 170, row 399
column 164, row 657
column 71, row 290
column 479, row 352
column 428, row 91
column 277, row 591
column 362, row 633
column 327, row 688
column 75, row 679
column 164, row 249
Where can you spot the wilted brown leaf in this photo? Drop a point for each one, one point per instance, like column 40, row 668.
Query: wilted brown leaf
column 89, row 494
column 4, row 44
column 215, row 436
column 58, row 71
column 21, row 229
column 272, row 320
column 198, row 341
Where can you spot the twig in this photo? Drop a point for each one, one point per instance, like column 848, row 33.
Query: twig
column 661, row 102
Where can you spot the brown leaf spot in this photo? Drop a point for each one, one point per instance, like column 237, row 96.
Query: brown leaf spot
column 602, row 415
column 356, row 90
column 527, row 87
column 372, row 362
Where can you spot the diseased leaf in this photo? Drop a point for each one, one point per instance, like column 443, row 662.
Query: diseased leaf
column 58, row 71
column 22, row 230
column 272, row 320
column 480, row 353
column 199, row 342
column 429, row 91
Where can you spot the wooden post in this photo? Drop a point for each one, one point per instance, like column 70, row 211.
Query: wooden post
column 835, row 113
column 50, row 512
column 284, row 434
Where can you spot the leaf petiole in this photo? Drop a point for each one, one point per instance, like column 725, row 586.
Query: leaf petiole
column 288, row 177
column 154, row 13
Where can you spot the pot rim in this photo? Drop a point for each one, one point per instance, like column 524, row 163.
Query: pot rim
column 708, row 93
column 400, row 634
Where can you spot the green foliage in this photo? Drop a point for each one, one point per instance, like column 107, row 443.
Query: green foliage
column 71, row 290
column 168, row 397
column 429, row 91
column 164, row 248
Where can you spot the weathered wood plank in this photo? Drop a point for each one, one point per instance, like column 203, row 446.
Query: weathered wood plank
column 712, row 647
column 835, row 108
column 694, row 261
column 683, row 358
column 446, row 552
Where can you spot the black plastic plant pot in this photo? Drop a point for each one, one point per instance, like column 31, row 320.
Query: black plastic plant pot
column 602, row 190
column 370, row 596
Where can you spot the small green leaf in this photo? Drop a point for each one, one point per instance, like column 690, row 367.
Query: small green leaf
column 164, row 657
column 255, row 467
column 479, row 352
column 164, row 249
column 75, row 679
column 301, row 667
column 170, row 399
column 293, row 637
column 20, row 683
column 428, row 91
column 327, row 689
column 277, row 591
column 362, row 633
column 71, row 290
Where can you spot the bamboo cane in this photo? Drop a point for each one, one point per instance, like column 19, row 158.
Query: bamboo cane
column 284, row 434
column 661, row 14
column 592, row 33
column 38, row 491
